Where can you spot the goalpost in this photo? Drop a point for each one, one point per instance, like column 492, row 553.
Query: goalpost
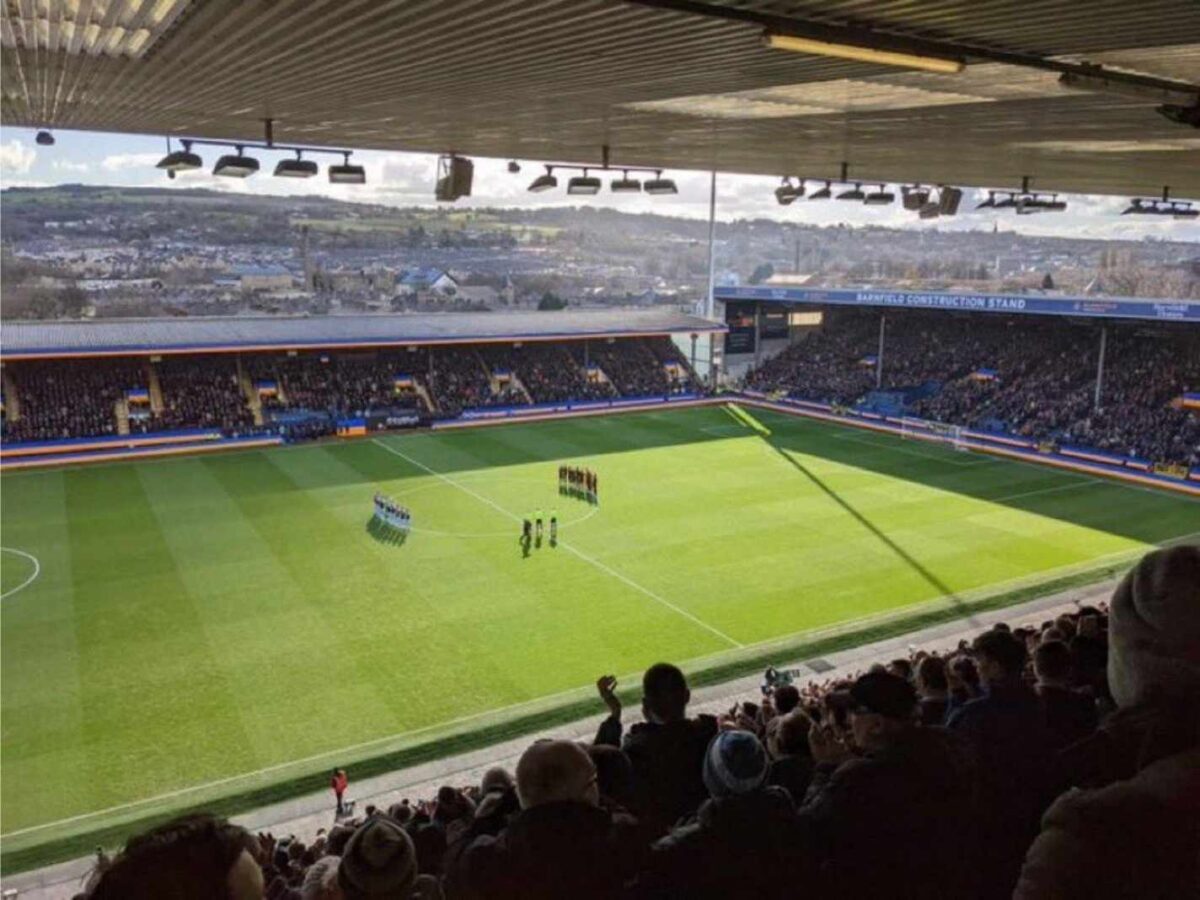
column 935, row 431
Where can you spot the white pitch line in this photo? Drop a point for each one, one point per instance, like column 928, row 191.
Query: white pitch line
column 37, row 570
column 579, row 553
column 1047, row 490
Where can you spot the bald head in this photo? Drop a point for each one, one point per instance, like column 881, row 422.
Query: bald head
column 554, row 771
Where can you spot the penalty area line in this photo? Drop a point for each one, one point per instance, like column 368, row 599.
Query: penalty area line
column 566, row 546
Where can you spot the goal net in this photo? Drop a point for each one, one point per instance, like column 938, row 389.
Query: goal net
column 933, row 431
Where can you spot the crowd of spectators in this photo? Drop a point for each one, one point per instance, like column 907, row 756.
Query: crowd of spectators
column 1044, row 376
column 633, row 368
column 547, row 371
column 1059, row 761
column 201, row 392
column 62, row 399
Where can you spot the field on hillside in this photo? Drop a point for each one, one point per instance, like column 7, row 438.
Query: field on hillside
column 179, row 628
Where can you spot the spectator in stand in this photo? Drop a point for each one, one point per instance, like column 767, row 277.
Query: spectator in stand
column 667, row 750
column 791, row 760
column 891, row 806
column 321, row 880
column 380, row 861
column 194, row 857
column 1070, row 715
column 744, row 841
column 561, row 844
column 933, row 690
column 1006, row 729
column 1136, row 833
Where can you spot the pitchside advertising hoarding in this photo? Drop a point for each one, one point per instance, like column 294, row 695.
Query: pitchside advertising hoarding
column 1037, row 305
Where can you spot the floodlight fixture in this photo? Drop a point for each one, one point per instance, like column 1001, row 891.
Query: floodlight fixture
column 913, row 196
column 948, row 200
column 659, row 185
column 1135, row 208
column 989, row 203
column 236, row 165
column 514, row 167
column 930, row 210
column 855, row 193
column 180, row 160
column 583, row 184
column 1183, row 210
column 544, row 182
column 295, row 168
column 787, row 192
column 797, row 44
column 626, row 185
column 881, row 197
column 44, row 139
column 1007, row 202
column 347, row 173
column 822, row 193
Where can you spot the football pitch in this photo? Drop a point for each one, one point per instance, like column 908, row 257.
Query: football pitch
column 179, row 630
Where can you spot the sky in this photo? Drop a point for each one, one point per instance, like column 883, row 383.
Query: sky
column 407, row 179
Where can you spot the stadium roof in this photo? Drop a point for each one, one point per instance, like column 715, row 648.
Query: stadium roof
column 669, row 83
column 111, row 337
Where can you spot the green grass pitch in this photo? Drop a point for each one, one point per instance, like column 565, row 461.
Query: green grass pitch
column 197, row 619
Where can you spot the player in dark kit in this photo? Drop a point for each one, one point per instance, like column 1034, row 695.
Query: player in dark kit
column 526, row 529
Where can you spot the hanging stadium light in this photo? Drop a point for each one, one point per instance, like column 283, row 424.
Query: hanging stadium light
column 296, row 168
column 44, row 139
column 179, row 160
column 881, row 197
column 514, row 167
column 948, row 200
column 660, row 185
column 913, row 196
column 1008, row 202
column 989, row 203
column 823, row 193
column 854, row 193
column 236, row 165
column 626, row 185
column 347, row 173
column 583, row 184
column 544, row 182
column 787, row 193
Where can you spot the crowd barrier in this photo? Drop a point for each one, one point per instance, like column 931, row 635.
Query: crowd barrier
column 79, row 445
column 1092, row 462
column 495, row 415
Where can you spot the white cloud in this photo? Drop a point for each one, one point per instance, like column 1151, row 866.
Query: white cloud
column 120, row 162
column 65, row 165
column 16, row 158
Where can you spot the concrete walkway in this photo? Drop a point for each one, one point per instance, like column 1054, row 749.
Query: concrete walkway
column 303, row 816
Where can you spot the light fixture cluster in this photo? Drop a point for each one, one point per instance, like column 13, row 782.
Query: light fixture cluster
column 1025, row 201
column 240, row 165
column 788, row 193
column 1161, row 206
column 930, row 202
column 586, row 184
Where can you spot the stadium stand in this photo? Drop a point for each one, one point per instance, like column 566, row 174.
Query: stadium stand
column 66, row 399
column 1014, row 375
column 1035, row 775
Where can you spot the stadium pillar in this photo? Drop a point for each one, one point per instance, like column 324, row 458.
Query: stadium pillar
column 879, row 355
column 710, row 305
column 1100, row 364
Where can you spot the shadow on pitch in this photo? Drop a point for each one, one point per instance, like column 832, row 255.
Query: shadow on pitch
column 385, row 533
column 907, row 558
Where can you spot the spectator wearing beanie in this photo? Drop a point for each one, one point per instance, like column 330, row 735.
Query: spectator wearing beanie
column 1069, row 714
column 321, row 880
column 667, row 750
column 561, row 844
column 1016, row 777
column 1138, row 833
column 380, row 863
column 891, row 812
column 743, row 842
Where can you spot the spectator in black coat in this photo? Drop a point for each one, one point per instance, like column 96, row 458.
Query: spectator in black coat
column 1070, row 715
column 933, row 689
column 791, row 761
column 667, row 750
column 743, row 842
column 1006, row 729
column 562, row 844
column 890, row 808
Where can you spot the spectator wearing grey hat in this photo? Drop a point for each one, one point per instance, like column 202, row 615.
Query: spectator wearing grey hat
column 1137, row 832
column 743, row 842
column 380, row 863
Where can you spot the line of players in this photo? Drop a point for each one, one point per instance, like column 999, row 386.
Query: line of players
column 533, row 525
column 391, row 513
column 577, row 482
